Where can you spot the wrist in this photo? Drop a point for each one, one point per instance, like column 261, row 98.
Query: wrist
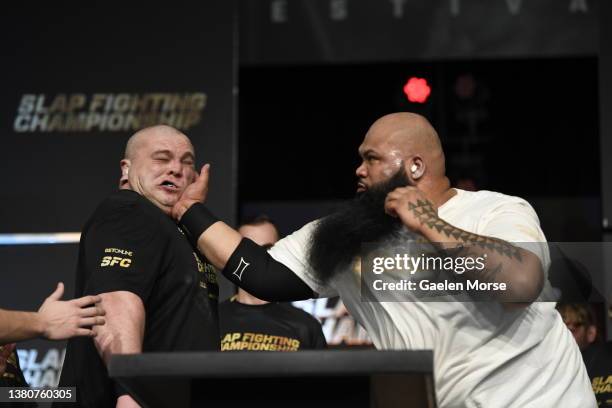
column 38, row 324
column 424, row 227
column 182, row 208
column 195, row 220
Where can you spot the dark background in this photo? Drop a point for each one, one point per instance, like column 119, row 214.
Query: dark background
column 290, row 101
column 530, row 128
column 58, row 178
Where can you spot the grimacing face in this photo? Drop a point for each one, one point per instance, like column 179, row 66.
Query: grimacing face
column 162, row 167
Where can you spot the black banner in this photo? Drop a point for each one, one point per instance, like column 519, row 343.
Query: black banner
column 79, row 80
column 315, row 31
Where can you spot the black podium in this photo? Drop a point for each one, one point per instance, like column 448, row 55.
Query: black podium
column 313, row 379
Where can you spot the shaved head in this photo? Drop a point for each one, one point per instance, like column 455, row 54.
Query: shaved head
column 406, row 143
column 411, row 135
column 137, row 139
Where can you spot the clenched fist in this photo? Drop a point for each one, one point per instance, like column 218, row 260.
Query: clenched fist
column 410, row 205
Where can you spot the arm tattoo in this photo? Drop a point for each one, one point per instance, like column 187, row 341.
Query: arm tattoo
column 426, row 214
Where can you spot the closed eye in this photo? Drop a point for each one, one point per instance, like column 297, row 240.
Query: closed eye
column 161, row 157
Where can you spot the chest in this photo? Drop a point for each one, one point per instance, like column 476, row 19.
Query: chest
column 185, row 270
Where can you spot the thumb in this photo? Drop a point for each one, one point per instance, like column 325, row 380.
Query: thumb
column 204, row 175
column 59, row 292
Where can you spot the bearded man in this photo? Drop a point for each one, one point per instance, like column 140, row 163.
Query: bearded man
column 513, row 351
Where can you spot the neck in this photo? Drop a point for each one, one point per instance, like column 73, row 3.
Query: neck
column 247, row 299
column 438, row 191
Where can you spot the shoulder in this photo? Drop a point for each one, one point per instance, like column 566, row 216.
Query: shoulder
column 128, row 214
column 294, row 244
column 486, row 205
column 303, row 234
column 486, row 199
column 494, row 214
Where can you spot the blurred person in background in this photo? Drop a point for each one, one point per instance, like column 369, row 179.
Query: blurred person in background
column 580, row 320
column 597, row 354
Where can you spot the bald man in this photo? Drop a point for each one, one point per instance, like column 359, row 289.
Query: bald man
column 510, row 351
column 136, row 257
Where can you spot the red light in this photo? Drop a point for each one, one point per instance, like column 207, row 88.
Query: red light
column 417, row 90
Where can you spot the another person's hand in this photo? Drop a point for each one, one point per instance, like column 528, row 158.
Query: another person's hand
column 411, row 206
column 196, row 192
column 5, row 353
column 61, row 320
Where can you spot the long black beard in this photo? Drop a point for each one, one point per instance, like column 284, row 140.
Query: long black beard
column 337, row 238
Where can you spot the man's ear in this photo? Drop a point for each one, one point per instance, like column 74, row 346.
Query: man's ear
column 416, row 168
column 125, row 170
column 125, row 167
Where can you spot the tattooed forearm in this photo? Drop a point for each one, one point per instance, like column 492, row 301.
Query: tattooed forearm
column 489, row 275
column 427, row 216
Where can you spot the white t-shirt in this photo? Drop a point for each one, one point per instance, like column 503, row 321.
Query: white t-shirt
column 484, row 355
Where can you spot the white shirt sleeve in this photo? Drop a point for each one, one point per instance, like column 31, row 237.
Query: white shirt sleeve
column 292, row 251
column 515, row 221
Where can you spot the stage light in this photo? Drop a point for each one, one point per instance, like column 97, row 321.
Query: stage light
column 417, row 90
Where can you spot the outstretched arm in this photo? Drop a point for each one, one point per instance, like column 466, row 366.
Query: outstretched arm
column 242, row 261
column 55, row 320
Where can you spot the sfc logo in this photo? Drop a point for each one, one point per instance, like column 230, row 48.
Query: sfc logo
column 116, row 260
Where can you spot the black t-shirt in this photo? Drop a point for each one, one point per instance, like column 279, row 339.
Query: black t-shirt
column 131, row 245
column 268, row 327
column 598, row 362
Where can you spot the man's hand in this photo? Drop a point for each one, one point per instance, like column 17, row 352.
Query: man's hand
column 411, row 206
column 195, row 192
column 60, row 320
column 5, row 353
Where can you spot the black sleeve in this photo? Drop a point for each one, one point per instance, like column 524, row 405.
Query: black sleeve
column 123, row 252
column 254, row 270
